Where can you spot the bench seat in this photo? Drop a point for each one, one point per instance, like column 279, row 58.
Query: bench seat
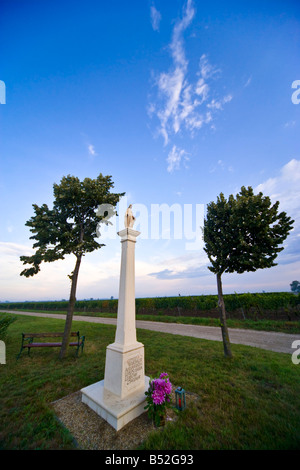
column 40, row 345
column 28, row 338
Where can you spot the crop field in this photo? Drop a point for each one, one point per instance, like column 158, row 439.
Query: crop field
column 248, row 306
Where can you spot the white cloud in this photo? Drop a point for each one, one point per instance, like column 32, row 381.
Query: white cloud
column 202, row 90
column 14, row 249
column 181, row 104
column 221, row 166
column 170, row 84
column 285, row 188
column 206, row 69
column 248, row 81
column 175, row 157
column 172, row 110
column 91, row 150
column 10, row 228
column 98, row 275
column 155, row 18
column 176, row 46
column 51, row 282
column 218, row 104
column 289, row 124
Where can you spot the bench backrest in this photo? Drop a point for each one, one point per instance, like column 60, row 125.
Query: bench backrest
column 47, row 335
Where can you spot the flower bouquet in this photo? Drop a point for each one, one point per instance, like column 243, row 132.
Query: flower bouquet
column 158, row 398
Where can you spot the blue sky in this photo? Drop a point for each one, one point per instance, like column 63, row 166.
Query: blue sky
column 177, row 100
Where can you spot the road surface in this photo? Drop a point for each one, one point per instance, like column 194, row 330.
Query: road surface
column 278, row 342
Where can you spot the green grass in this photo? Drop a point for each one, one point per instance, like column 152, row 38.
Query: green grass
column 279, row 326
column 249, row 402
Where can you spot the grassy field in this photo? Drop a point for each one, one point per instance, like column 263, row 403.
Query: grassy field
column 249, row 402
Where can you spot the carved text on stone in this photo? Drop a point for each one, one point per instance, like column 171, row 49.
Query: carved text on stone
column 133, row 370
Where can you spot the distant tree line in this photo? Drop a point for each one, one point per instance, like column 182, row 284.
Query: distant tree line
column 246, row 306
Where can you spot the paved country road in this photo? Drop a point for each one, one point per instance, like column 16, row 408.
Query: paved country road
column 278, row 342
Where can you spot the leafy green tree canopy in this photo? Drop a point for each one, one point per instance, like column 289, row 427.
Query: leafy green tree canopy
column 244, row 233
column 71, row 226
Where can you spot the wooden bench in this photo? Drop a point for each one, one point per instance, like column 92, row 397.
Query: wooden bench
column 27, row 341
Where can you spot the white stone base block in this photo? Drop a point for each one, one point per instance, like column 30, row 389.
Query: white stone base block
column 124, row 369
column 116, row 411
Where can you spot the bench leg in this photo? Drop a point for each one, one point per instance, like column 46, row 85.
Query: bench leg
column 22, row 347
column 77, row 350
column 18, row 356
column 78, row 347
column 82, row 343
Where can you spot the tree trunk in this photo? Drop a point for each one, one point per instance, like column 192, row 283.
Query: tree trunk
column 70, row 311
column 221, row 305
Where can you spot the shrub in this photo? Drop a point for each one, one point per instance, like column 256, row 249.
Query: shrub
column 5, row 321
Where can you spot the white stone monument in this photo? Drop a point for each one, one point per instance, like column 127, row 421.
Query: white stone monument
column 120, row 397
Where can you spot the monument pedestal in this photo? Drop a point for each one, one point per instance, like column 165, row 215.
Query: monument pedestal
column 116, row 411
column 120, row 397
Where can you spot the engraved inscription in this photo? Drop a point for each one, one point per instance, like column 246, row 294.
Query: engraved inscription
column 133, row 370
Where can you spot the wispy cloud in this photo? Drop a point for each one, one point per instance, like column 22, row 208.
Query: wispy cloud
column 9, row 227
column 248, row 81
column 177, row 45
column 289, row 124
column 88, row 145
column 181, row 104
column 285, row 188
column 221, row 166
column 187, row 266
column 155, row 18
column 188, row 273
column 91, row 150
column 176, row 155
column 15, row 249
column 218, row 104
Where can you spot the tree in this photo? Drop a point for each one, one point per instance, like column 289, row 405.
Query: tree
column 242, row 233
column 295, row 287
column 70, row 228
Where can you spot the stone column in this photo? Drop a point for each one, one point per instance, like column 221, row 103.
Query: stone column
column 120, row 397
column 124, row 368
column 126, row 329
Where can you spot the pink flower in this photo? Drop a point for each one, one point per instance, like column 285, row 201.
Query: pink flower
column 163, row 374
column 161, row 388
column 168, row 387
column 158, row 397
